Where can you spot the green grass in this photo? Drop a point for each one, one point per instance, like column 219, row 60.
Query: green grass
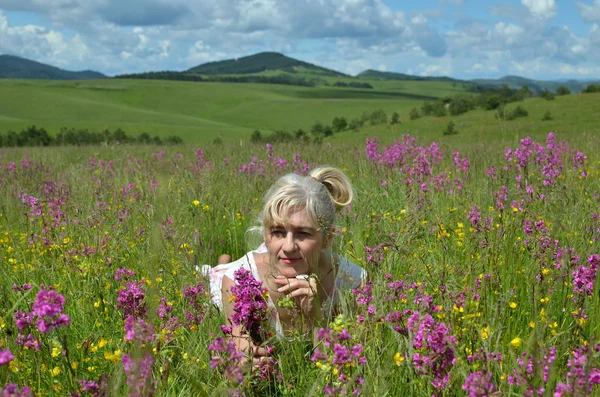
column 428, row 239
column 198, row 112
column 201, row 112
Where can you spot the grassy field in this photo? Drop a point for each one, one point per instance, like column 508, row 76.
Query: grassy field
column 201, row 112
column 483, row 267
column 574, row 116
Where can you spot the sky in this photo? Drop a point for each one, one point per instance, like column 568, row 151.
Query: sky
column 465, row 39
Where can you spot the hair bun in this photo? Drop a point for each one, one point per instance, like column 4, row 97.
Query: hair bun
column 337, row 184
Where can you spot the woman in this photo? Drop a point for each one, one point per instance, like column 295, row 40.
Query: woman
column 295, row 262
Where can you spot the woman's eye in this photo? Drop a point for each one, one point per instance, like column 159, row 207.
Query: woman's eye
column 304, row 234
column 277, row 233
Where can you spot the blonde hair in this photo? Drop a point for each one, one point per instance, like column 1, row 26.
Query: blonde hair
column 321, row 194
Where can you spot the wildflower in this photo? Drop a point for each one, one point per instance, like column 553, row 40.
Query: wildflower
column 479, row 384
column 227, row 359
column 398, row 358
column 131, row 299
column 97, row 388
column 163, row 309
column 124, row 273
column 584, row 277
column 581, row 377
column 114, row 357
column 48, row 308
column 12, row 390
column 138, row 372
column 434, row 348
column 250, row 307
column 512, row 305
column 485, row 333
column 28, row 342
column 23, row 320
column 196, row 298
column 138, row 330
column 516, row 342
column 5, row 357
column 337, row 355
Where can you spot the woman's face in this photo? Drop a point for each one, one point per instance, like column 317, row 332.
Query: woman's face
column 294, row 248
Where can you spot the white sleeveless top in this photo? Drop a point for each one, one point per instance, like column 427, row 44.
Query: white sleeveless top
column 349, row 276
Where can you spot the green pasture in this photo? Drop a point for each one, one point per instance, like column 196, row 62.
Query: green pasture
column 505, row 290
column 201, row 112
column 576, row 117
column 195, row 111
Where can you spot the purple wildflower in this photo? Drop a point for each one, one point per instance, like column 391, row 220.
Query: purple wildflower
column 138, row 330
column 124, row 273
column 434, row 346
column 138, row 372
column 584, row 277
column 227, row 359
column 581, row 377
column 197, row 299
column 12, row 390
column 131, row 299
column 250, row 307
column 336, row 349
column 6, row 356
column 479, row 384
column 48, row 308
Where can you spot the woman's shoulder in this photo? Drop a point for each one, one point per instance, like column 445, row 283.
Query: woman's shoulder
column 349, row 274
column 228, row 269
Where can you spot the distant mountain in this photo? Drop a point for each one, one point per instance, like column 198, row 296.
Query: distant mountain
column 374, row 74
column 516, row 82
column 261, row 62
column 13, row 67
column 513, row 82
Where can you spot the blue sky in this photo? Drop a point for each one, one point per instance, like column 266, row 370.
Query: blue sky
column 540, row 39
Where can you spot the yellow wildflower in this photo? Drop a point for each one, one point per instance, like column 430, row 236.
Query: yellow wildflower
column 398, row 358
column 485, row 333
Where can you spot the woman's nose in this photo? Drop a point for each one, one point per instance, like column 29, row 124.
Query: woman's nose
column 290, row 242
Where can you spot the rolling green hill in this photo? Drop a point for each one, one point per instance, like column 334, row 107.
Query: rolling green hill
column 259, row 63
column 196, row 111
column 201, row 112
column 13, row 67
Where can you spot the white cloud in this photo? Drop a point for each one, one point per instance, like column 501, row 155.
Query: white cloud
column 40, row 44
column 543, row 9
column 116, row 36
column 589, row 13
column 434, row 70
column 580, row 71
column 509, row 34
column 481, row 68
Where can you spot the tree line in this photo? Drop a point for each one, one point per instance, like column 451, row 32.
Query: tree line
column 34, row 136
column 319, row 130
column 487, row 99
column 284, row 79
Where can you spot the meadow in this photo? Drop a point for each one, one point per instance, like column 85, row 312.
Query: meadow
column 482, row 256
column 201, row 113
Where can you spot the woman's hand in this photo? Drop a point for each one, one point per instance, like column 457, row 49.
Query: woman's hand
column 260, row 355
column 304, row 292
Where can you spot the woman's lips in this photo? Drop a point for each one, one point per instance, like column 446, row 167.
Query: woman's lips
column 289, row 261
